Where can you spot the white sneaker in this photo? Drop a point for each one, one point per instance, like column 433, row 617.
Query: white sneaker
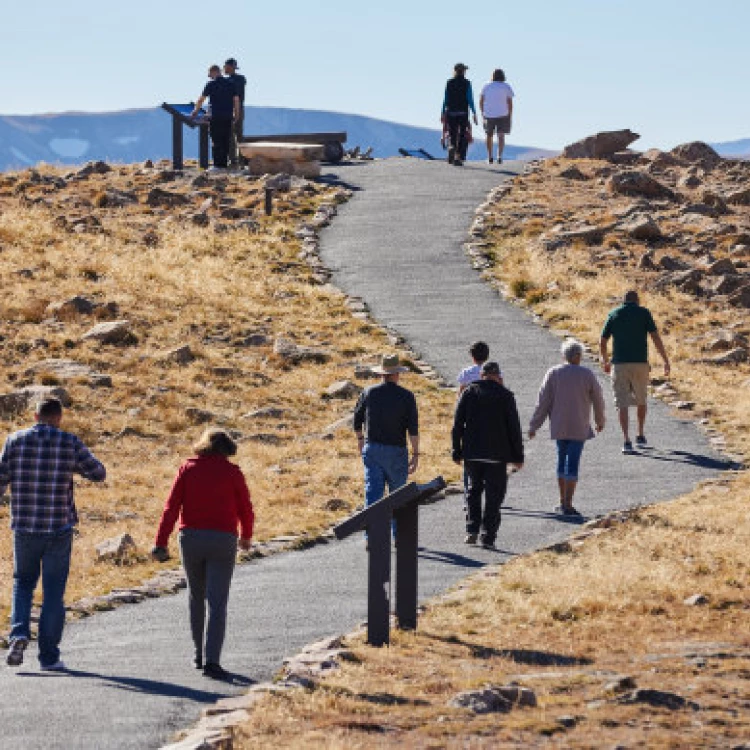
column 58, row 666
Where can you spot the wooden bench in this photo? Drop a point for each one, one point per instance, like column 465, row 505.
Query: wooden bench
column 268, row 157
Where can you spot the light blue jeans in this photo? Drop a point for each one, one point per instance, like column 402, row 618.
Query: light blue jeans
column 47, row 555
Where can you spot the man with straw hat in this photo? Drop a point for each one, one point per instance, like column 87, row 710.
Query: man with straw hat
column 385, row 414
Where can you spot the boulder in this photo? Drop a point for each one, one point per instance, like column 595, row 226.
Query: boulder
column 721, row 267
column 740, row 298
column 93, row 167
column 715, row 201
column 572, row 173
column 160, row 197
column 67, row 369
column 342, row 389
column 73, row 306
column 689, row 181
column 696, row 152
column 17, row 402
column 601, row 145
column 732, row 357
column 723, row 340
column 739, row 197
column 110, row 332
column 266, row 412
column 658, row 699
column 295, row 354
column 635, row 183
column 646, row 261
column 668, row 263
column 200, row 416
column 116, row 548
column 696, row 600
column 181, row 355
column 728, row 283
column 658, row 160
column 494, row 699
column 642, row 227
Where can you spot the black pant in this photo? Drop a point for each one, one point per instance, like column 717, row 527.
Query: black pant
column 457, row 126
column 220, row 129
column 492, row 480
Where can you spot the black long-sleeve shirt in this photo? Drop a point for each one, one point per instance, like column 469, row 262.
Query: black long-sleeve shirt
column 388, row 412
column 486, row 426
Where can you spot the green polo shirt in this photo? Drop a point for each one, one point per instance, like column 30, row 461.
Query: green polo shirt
column 629, row 326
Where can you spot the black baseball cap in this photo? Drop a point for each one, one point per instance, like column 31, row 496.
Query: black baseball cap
column 231, row 61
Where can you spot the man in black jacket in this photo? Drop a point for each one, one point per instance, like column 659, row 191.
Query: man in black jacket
column 487, row 437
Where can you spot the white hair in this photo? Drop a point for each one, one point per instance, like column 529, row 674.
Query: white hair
column 571, row 349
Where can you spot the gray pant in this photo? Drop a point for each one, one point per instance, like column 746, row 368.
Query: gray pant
column 208, row 558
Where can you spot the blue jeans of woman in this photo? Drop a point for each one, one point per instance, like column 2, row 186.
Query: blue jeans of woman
column 48, row 555
column 568, row 458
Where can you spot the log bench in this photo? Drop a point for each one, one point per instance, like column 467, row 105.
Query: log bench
column 267, row 157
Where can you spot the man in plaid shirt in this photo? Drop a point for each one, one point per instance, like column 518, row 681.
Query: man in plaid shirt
column 38, row 464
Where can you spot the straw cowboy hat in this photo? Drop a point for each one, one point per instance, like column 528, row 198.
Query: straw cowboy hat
column 389, row 365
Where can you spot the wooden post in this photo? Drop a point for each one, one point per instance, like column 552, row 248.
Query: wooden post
column 378, row 580
column 407, row 526
column 269, row 201
column 176, row 143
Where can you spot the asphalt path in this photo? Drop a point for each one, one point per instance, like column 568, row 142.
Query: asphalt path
column 397, row 244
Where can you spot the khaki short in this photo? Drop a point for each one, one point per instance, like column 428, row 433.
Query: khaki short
column 630, row 383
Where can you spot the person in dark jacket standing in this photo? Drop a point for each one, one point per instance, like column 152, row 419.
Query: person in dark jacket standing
column 240, row 82
column 457, row 102
column 225, row 109
column 385, row 414
column 487, row 437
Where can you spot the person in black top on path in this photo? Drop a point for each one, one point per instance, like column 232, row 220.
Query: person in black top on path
column 225, row 105
column 385, row 414
column 487, row 437
column 239, row 81
column 457, row 102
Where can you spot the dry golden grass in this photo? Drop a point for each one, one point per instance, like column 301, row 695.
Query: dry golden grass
column 188, row 285
column 566, row 623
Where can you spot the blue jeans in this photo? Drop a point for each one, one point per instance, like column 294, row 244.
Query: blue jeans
column 47, row 555
column 384, row 464
column 568, row 458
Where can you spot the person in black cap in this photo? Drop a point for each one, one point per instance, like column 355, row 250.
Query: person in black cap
column 486, row 437
column 225, row 108
column 457, row 102
column 239, row 81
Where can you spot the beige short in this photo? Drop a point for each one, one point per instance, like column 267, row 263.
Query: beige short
column 630, row 383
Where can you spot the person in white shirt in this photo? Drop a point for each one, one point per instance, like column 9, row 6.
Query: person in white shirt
column 480, row 353
column 496, row 105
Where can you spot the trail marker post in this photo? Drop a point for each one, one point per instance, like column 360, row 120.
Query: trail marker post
column 403, row 506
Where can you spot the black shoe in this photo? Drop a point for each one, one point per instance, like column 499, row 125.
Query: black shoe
column 470, row 538
column 627, row 447
column 451, row 154
column 215, row 671
column 488, row 543
column 458, row 163
column 640, row 440
column 198, row 661
column 15, row 652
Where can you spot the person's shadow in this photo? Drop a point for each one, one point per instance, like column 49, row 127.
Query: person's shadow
column 451, row 558
column 153, row 687
column 685, row 457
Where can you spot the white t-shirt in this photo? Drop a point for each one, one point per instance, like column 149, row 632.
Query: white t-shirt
column 496, row 95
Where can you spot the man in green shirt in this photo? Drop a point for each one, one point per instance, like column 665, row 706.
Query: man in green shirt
column 629, row 326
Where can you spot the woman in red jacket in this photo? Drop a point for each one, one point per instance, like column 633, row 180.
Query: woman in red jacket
column 211, row 498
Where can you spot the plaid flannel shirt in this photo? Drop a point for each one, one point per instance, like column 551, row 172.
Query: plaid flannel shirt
column 38, row 464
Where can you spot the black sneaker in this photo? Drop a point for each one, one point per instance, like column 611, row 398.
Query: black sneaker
column 15, row 652
column 215, row 671
column 451, row 154
column 198, row 661
column 458, row 163
column 627, row 447
column 471, row 538
column 640, row 440
column 488, row 543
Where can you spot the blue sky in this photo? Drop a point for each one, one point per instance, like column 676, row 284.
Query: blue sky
column 672, row 70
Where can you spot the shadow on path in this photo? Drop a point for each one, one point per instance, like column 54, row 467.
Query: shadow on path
column 549, row 514
column 150, row 687
column 517, row 655
column 685, row 457
column 452, row 558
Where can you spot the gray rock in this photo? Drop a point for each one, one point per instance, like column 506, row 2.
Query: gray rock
column 93, row 167
column 200, row 416
column 19, row 401
column 572, row 173
column 732, row 357
column 160, row 197
column 115, row 548
column 620, row 685
column 739, row 197
column 600, row 145
column 740, row 298
column 646, row 261
column 73, row 306
column 494, row 699
column 635, row 183
column 642, row 227
column 342, row 389
column 266, row 412
column 181, row 355
column 200, row 219
column 282, row 183
column 295, row 354
column 668, row 263
column 696, row 152
column 696, row 600
column 721, row 267
column 110, row 332
column 658, row 699
column 67, row 369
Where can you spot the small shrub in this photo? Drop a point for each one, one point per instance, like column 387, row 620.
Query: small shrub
column 521, row 287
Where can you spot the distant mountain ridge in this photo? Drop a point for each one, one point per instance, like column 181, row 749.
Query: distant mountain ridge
column 138, row 134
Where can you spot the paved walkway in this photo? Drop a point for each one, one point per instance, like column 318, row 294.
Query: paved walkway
column 398, row 245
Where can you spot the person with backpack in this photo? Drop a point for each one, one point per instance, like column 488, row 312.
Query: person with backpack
column 457, row 102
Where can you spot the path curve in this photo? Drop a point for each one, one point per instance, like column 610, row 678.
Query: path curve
column 398, row 245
